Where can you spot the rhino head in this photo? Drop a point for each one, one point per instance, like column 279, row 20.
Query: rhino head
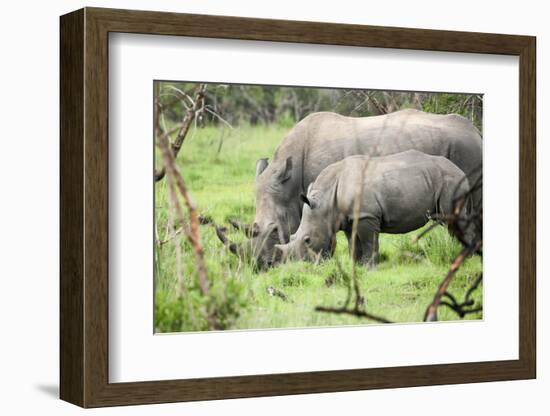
column 315, row 238
column 278, row 209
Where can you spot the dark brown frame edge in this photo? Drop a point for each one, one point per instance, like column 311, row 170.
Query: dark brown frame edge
column 84, row 207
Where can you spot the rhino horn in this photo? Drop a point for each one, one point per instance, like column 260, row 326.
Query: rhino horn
column 282, row 250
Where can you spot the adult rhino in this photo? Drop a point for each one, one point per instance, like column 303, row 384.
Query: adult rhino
column 392, row 194
column 321, row 139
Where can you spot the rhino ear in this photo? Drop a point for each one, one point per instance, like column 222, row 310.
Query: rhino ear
column 307, row 201
column 261, row 165
column 286, row 171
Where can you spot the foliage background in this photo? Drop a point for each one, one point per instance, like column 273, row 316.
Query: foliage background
column 260, row 104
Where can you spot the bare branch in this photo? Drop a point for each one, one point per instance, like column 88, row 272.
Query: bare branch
column 245, row 228
column 431, row 311
column 353, row 312
column 175, row 181
column 461, row 308
column 220, row 232
column 184, row 126
column 209, row 109
column 377, row 105
column 171, row 237
column 273, row 291
column 426, row 231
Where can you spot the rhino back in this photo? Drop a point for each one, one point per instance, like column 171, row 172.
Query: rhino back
column 323, row 138
column 398, row 189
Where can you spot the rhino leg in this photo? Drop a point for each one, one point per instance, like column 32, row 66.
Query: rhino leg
column 368, row 230
column 358, row 247
column 366, row 243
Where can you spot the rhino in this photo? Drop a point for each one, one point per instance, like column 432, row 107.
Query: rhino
column 389, row 194
column 321, row 139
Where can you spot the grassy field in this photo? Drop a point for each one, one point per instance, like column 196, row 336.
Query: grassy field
column 218, row 166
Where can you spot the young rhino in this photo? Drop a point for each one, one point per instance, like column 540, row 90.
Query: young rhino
column 395, row 194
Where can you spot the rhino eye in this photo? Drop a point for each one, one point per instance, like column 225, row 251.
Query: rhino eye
column 307, row 240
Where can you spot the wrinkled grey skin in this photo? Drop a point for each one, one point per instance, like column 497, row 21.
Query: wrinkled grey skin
column 395, row 194
column 321, row 139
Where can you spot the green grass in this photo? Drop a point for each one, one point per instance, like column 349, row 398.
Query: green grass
column 219, row 167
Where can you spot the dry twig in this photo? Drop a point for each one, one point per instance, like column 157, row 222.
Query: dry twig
column 466, row 306
column 175, row 181
column 182, row 128
column 171, row 237
column 245, row 228
column 273, row 291
column 354, row 312
column 431, row 311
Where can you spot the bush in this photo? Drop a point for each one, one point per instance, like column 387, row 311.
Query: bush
column 191, row 311
column 439, row 247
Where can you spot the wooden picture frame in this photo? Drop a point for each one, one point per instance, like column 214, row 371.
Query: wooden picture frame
column 84, row 207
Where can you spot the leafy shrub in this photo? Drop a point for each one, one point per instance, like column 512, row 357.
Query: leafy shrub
column 192, row 311
column 439, row 247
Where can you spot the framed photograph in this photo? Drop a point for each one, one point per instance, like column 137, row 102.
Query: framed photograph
column 255, row 207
